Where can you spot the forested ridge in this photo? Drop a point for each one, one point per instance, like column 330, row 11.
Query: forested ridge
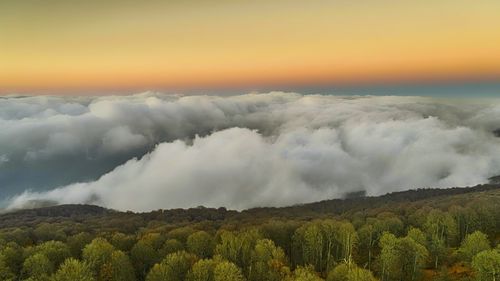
column 425, row 234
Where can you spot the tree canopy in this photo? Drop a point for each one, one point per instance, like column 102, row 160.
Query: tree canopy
column 448, row 236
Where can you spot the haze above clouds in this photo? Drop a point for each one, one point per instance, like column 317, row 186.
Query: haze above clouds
column 151, row 151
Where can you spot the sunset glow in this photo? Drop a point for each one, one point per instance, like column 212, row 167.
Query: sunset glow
column 79, row 45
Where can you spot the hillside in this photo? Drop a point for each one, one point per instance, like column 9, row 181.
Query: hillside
column 392, row 201
column 425, row 234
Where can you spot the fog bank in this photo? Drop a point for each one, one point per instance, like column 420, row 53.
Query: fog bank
column 153, row 151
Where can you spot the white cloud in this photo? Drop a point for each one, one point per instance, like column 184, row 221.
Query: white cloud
column 252, row 150
column 121, row 139
column 3, row 159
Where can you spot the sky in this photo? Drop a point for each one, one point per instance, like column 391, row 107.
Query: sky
column 69, row 46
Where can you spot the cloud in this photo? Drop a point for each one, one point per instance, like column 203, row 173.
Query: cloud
column 152, row 151
column 3, row 159
column 54, row 141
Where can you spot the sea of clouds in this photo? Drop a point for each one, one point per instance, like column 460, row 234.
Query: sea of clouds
column 151, row 151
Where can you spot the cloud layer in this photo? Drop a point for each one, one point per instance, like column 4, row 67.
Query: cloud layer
column 152, row 151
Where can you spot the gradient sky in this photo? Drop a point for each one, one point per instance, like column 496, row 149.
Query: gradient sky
column 65, row 45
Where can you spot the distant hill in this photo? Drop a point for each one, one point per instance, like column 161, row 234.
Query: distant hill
column 392, row 201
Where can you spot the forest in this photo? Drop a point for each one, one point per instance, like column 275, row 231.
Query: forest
column 424, row 234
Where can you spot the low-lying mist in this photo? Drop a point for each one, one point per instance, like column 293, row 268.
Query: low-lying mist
column 151, row 151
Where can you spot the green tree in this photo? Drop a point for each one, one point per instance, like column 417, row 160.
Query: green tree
column 47, row 232
column 77, row 242
column 322, row 243
column 6, row 273
column 436, row 246
column 370, row 233
column 202, row 270
column 248, row 240
column 156, row 240
column 229, row 246
column 171, row 246
column 122, row 241
column 417, row 235
column 441, row 226
column 55, row 251
column 12, row 257
column 268, row 262
column 466, row 220
column 97, row 254
column 473, row 243
column 281, row 233
column 313, row 245
column 237, row 248
column 22, row 237
column 388, row 222
column 201, row 243
column 118, row 268
column 437, row 250
column 487, row 265
column 368, row 240
column 37, row 267
column 487, row 215
column 227, row 271
column 143, row 257
column 305, row 274
column 349, row 272
column 180, row 234
column 73, row 270
column 401, row 258
column 173, row 268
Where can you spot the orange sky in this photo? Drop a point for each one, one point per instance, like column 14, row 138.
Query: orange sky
column 68, row 45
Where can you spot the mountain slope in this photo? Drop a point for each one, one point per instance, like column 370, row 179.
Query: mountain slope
column 437, row 198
